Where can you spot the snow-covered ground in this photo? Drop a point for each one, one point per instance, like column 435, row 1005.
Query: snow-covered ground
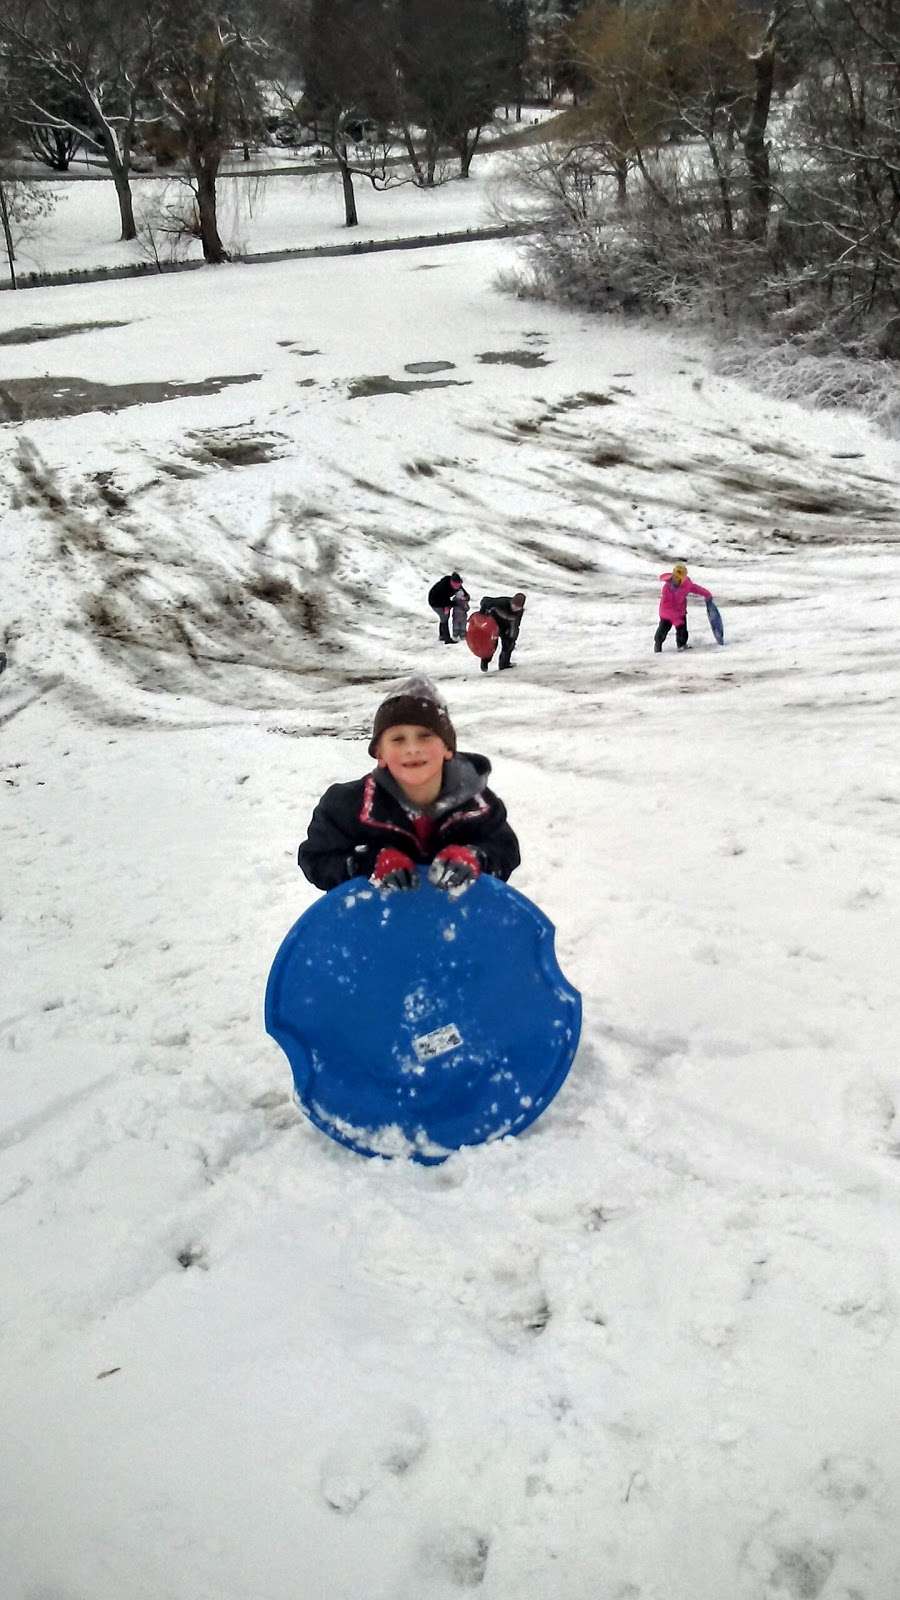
column 647, row 1351
column 256, row 213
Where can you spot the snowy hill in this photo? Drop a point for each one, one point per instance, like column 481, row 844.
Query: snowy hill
column 649, row 1350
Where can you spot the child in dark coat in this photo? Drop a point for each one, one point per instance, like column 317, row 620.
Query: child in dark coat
column 423, row 805
column 506, row 611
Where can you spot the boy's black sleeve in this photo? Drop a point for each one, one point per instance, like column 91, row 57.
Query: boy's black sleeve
column 332, row 852
column 497, row 845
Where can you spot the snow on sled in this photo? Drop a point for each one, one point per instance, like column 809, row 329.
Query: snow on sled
column 482, row 634
column 715, row 621
column 416, row 1022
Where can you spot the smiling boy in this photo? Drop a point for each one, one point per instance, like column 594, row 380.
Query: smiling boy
column 424, row 804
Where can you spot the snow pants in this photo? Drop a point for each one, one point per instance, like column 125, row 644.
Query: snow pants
column 681, row 633
column 509, row 633
column 460, row 614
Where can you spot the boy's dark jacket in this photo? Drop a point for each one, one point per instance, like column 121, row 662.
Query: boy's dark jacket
column 353, row 821
column 442, row 594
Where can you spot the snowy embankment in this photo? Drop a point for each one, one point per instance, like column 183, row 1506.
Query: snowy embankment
column 647, row 1351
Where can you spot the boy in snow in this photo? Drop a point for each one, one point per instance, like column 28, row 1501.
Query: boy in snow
column 443, row 597
column 673, row 605
column 506, row 611
column 423, row 805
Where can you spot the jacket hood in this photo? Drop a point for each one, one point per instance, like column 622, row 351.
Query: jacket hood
column 465, row 775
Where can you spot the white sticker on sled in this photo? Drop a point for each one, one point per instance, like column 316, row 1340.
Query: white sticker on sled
column 429, row 1045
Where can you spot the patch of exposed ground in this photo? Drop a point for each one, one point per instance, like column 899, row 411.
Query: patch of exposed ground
column 37, row 332
column 232, row 447
column 365, row 388
column 513, row 358
column 32, row 399
column 565, row 559
column 184, row 620
column 573, row 402
column 746, row 495
column 429, row 366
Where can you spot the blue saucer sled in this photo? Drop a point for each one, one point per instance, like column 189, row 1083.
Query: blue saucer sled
column 416, row 1022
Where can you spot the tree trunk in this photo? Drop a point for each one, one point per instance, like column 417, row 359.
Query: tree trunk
column 753, row 139
column 118, row 159
column 621, row 170
column 126, row 204
column 350, row 216
column 467, row 148
column 8, row 238
column 723, row 186
column 411, row 151
column 205, row 168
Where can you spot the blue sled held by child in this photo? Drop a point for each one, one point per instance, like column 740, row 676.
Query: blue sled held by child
column 415, row 1023
column 715, row 621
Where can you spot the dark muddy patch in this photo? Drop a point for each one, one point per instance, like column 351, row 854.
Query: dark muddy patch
column 558, row 558
column 32, row 399
column 366, row 388
column 609, row 457
column 577, row 402
column 37, row 332
column 777, row 450
column 306, row 383
column 584, row 399
column 429, row 366
column 513, row 358
column 831, row 502
column 113, row 498
column 231, row 449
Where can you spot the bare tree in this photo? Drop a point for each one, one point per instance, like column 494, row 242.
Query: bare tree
column 95, row 58
column 453, row 62
column 342, row 50
column 53, row 144
column 839, row 224
column 205, row 80
column 22, row 205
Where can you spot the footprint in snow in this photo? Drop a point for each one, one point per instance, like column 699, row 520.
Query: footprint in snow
column 871, row 1114
column 456, row 1555
column 845, row 1481
column 785, row 1565
column 351, row 1473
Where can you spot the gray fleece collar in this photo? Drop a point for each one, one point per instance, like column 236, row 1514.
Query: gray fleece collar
column 464, row 777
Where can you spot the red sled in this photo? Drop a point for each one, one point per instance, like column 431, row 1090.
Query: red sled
column 482, row 634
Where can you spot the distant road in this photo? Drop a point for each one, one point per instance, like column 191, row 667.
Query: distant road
column 521, row 135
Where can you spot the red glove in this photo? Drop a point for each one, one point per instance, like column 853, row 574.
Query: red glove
column 394, row 870
column 454, row 867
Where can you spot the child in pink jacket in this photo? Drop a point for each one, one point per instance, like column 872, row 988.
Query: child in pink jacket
column 673, row 605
